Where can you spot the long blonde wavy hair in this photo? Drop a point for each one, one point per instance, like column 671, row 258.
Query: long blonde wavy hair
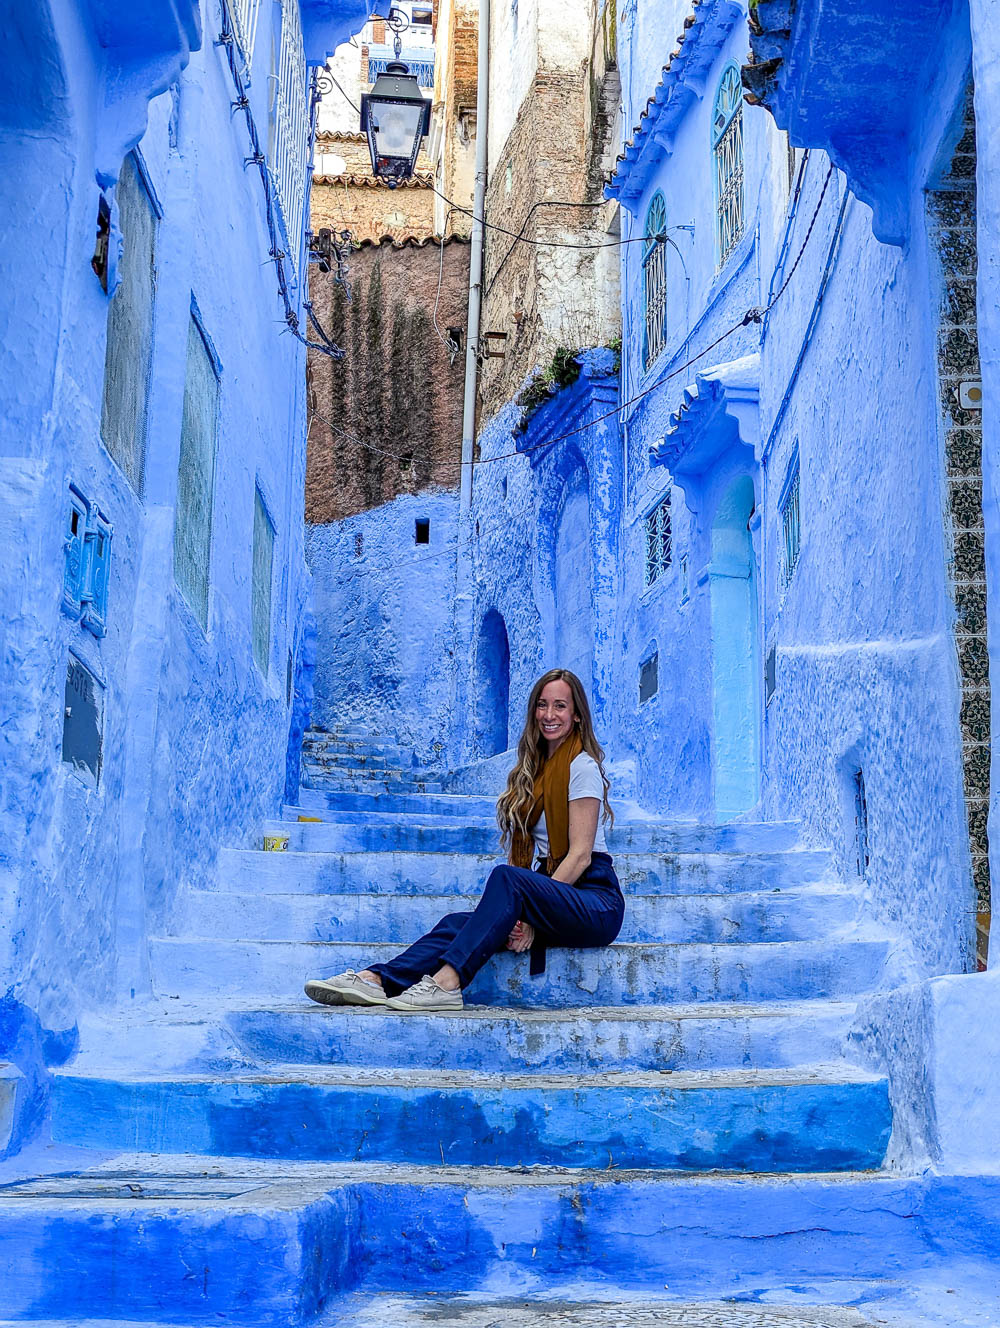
column 515, row 803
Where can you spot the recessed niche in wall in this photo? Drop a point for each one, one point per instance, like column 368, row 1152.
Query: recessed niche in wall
column 359, row 544
column 861, row 822
column 83, row 720
column 422, row 530
column 770, row 674
column 649, row 677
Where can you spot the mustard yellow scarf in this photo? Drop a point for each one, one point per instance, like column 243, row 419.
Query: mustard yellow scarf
column 551, row 796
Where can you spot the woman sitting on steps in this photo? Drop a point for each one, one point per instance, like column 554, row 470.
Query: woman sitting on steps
column 551, row 810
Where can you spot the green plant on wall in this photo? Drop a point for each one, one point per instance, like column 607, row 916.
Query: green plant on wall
column 561, row 372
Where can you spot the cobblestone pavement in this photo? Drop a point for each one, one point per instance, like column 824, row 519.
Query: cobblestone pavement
column 406, row 1313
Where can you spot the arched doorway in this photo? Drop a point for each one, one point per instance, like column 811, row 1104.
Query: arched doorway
column 574, row 605
column 492, row 701
column 733, row 580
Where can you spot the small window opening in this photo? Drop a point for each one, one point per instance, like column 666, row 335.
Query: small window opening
column 421, row 16
column 359, row 544
column 455, row 337
column 422, row 532
column 74, row 521
column 861, row 823
column 770, row 674
column 99, row 262
column 649, row 677
column 406, row 461
column 685, row 579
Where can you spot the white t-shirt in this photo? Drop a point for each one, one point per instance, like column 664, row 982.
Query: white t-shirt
column 584, row 782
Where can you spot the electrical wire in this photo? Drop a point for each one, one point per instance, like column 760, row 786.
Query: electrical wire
column 549, row 244
column 753, row 315
column 227, row 40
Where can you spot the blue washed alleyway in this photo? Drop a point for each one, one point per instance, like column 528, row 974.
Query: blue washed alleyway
column 671, row 1119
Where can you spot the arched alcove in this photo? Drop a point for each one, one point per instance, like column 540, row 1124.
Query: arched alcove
column 733, row 579
column 492, row 700
column 573, row 577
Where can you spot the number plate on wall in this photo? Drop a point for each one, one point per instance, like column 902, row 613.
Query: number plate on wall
column 83, row 719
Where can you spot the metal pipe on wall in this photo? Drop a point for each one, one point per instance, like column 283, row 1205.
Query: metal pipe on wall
column 476, row 258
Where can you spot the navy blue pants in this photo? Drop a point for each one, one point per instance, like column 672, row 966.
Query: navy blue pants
column 586, row 914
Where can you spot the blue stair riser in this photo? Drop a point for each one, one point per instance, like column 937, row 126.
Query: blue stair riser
column 787, row 916
column 639, row 837
column 410, row 873
column 617, row 975
column 806, row 1127
column 440, row 804
column 706, row 1237
column 193, row 1263
column 574, row 1044
column 332, row 742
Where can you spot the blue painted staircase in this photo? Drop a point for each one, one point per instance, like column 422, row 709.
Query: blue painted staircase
column 632, row 1117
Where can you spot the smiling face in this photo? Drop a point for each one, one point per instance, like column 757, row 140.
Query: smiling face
column 555, row 714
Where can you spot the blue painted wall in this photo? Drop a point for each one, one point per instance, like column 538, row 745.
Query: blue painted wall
column 194, row 732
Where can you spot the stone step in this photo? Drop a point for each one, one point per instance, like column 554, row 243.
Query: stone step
column 694, row 1037
column 360, row 781
column 636, row 836
column 791, row 915
column 187, row 1246
column 807, row 1118
column 410, row 873
column 325, row 758
column 785, row 1308
column 465, row 806
column 266, row 1243
column 633, row 975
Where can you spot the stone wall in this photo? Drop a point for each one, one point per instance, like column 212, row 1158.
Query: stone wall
column 456, row 42
column 387, row 420
column 547, row 283
column 353, row 200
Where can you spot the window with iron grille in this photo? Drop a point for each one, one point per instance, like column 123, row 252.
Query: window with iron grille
column 288, row 123
column 727, row 159
column 791, row 523
column 263, row 562
column 654, row 282
column 130, row 328
column 196, row 474
column 658, row 551
column 243, row 15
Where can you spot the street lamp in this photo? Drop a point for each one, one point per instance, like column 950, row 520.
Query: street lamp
column 394, row 115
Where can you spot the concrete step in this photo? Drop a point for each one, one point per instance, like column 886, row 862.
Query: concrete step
column 264, row 1243
column 325, row 758
column 790, row 915
column 185, row 1246
column 636, row 836
column 808, row 1118
column 360, row 781
column 669, row 1037
column 465, row 806
column 412, row 873
column 633, row 975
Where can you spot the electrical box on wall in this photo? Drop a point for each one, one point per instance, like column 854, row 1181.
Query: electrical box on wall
column 87, row 565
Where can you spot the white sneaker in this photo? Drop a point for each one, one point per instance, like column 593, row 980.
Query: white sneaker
column 426, row 997
column 345, row 989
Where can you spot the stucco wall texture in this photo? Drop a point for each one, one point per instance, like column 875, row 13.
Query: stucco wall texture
column 194, row 732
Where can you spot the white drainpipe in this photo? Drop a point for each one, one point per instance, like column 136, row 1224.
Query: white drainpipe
column 476, row 258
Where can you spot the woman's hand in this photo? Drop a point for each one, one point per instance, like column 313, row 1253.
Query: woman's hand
column 521, row 938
